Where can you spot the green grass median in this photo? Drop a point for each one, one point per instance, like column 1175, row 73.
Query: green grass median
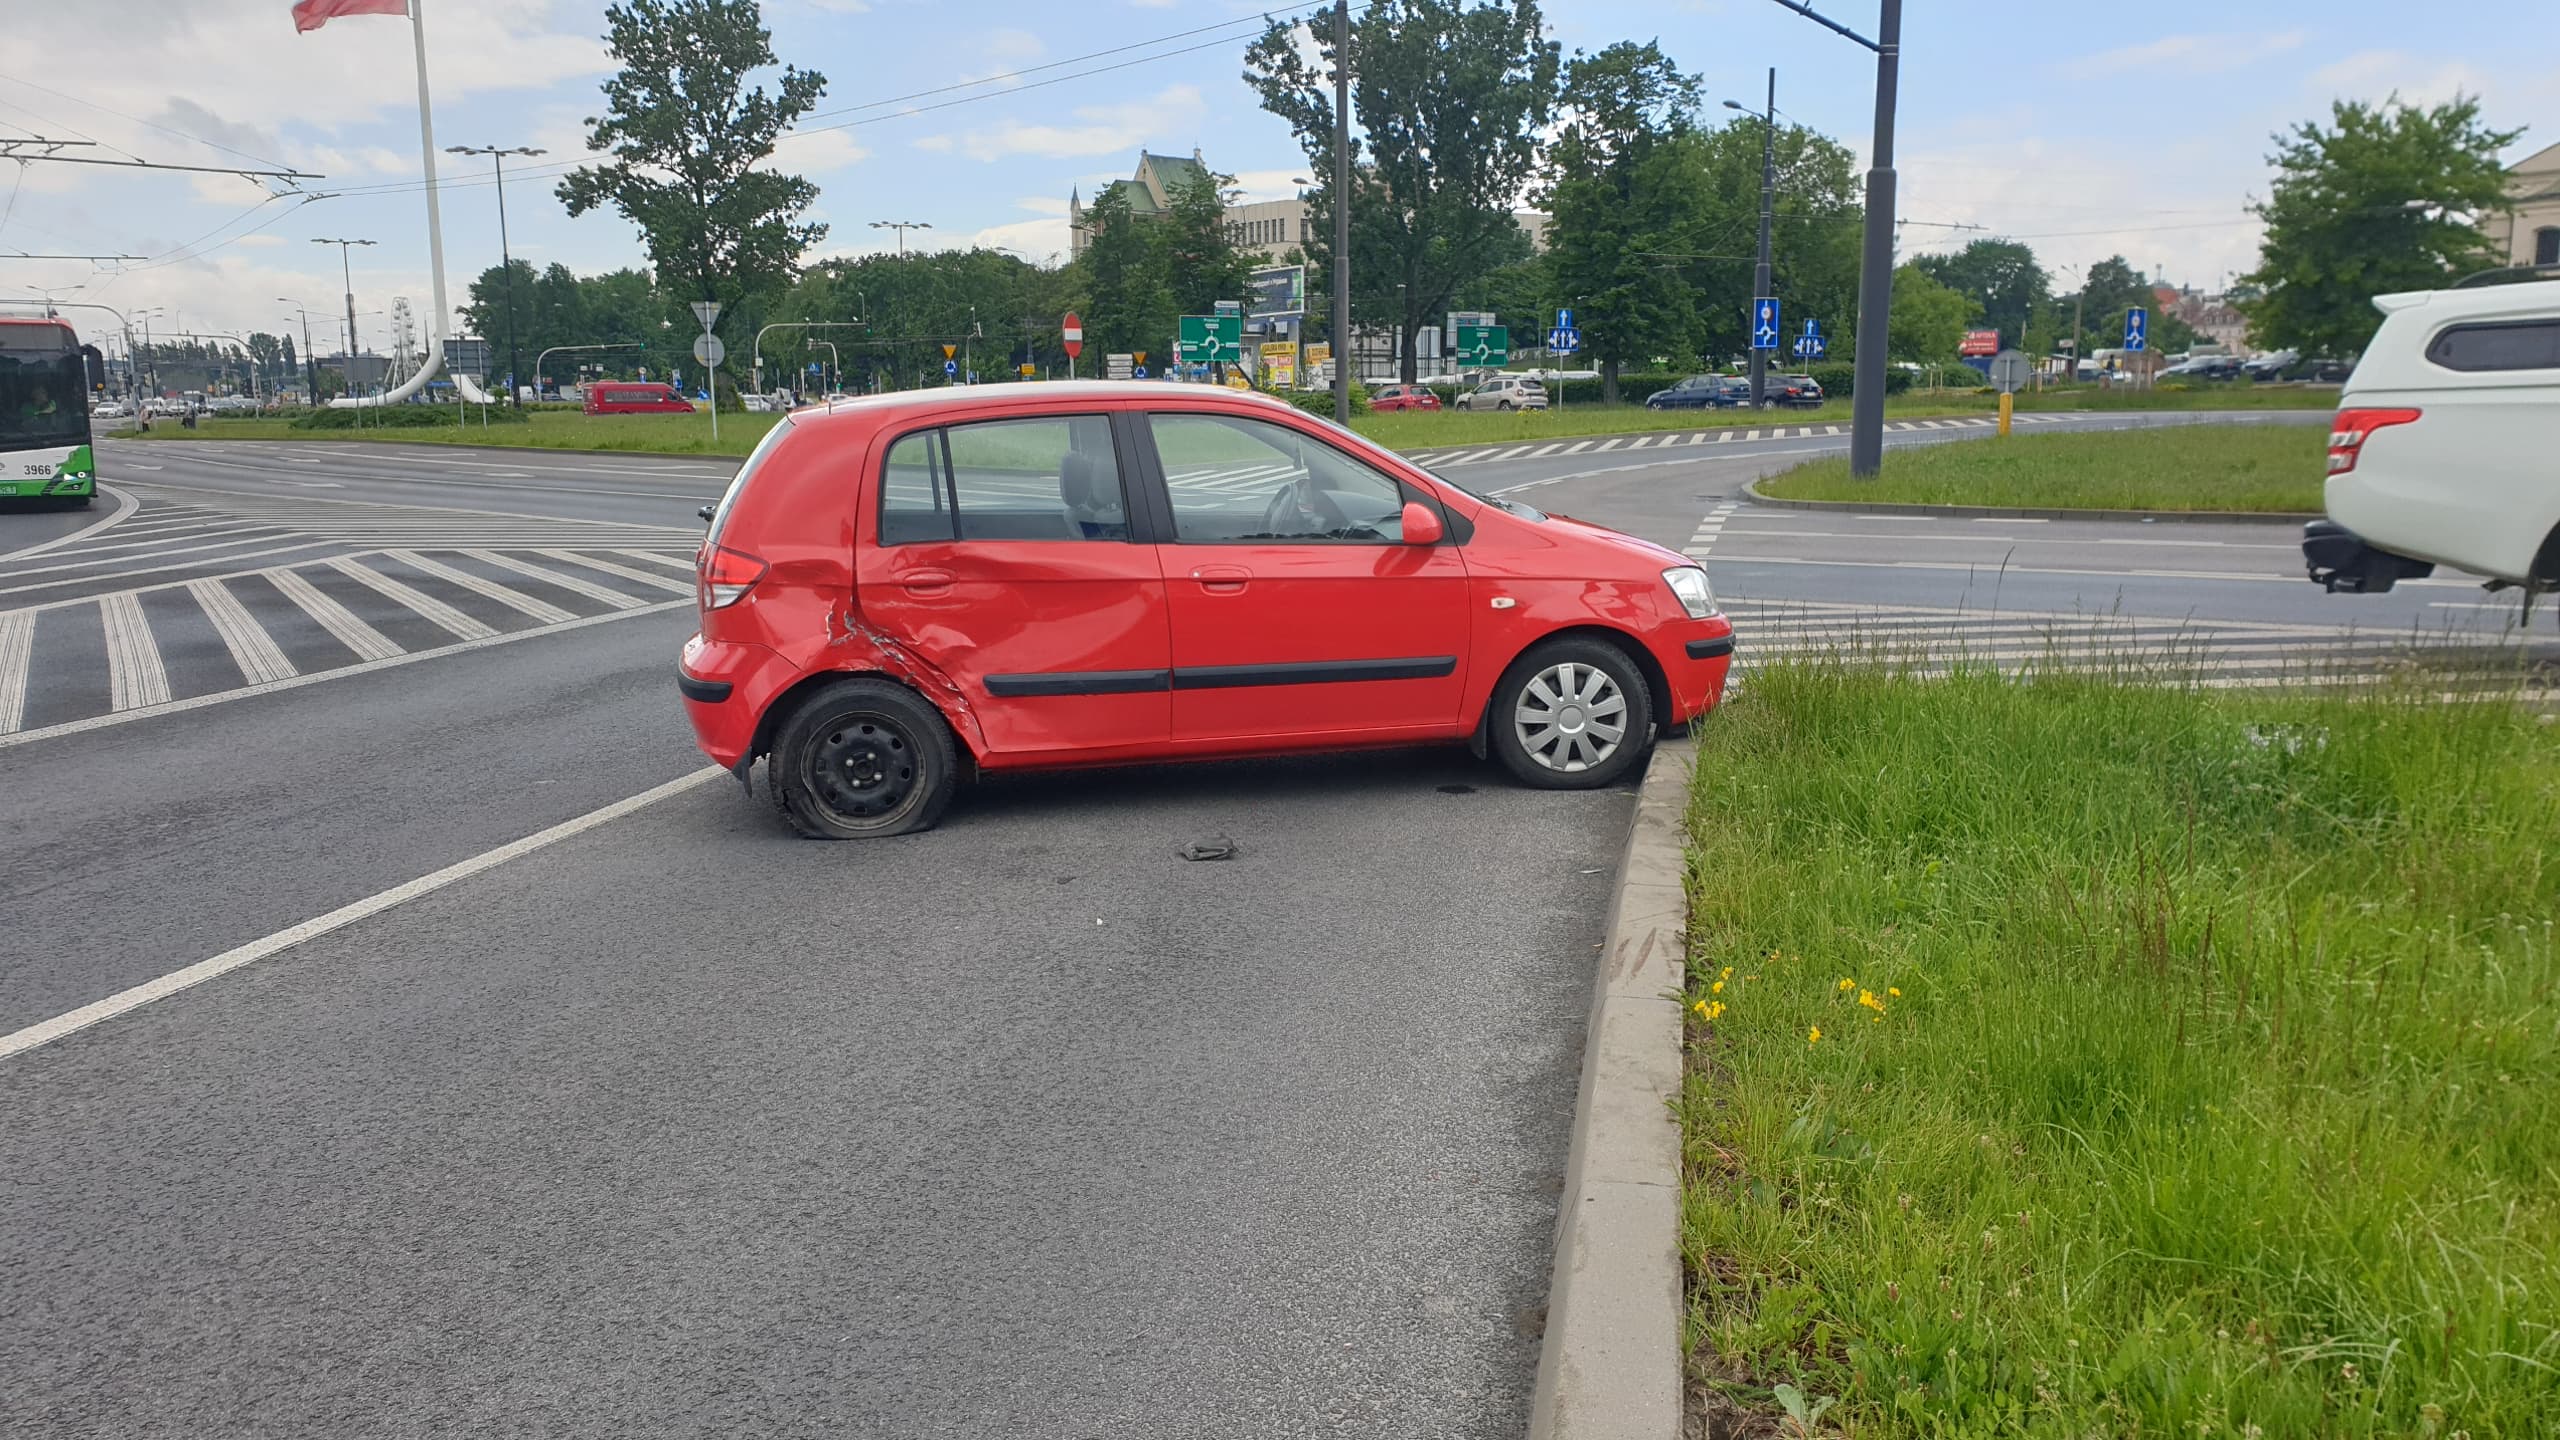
column 2260, row 467
column 2100, row 1059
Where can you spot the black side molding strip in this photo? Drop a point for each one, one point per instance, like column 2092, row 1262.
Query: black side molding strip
column 1710, row 649
column 1318, row 672
column 1081, row 682
column 1214, row 677
column 709, row 692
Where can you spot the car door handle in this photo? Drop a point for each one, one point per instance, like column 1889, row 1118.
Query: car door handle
column 1222, row 579
column 926, row 582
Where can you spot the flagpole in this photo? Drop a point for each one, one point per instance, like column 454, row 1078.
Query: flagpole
column 435, row 221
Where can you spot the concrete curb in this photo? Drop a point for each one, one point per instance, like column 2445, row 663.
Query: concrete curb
column 1610, row 1364
column 2000, row 512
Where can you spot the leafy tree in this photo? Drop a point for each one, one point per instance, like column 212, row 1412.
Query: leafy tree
column 1451, row 96
column 1201, row 263
column 2003, row 278
column 689, row 141
column 2389, row 198
column 1929, row 319
column 286, row 355
column 1814, row 251
column 2111, row 288
column 1625, row 191
column 485, row 309
column 1129, row 302
column 268, row 351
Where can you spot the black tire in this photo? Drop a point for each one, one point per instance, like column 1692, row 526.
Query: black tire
column 862, row 758
column 1550, row 765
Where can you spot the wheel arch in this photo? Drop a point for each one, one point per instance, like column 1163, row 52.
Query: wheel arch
column 2546, row 561
column 780, row 709
column 1657, row 685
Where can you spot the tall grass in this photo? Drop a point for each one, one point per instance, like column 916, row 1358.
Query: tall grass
column 2187, row 1063
column 2253, row 467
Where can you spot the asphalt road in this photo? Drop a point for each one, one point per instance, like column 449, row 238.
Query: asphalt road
column 682, row 1126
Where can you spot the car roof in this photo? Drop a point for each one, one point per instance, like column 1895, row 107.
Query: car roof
column 946, row 400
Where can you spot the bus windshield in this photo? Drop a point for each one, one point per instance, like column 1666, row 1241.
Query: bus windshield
column 43, row 397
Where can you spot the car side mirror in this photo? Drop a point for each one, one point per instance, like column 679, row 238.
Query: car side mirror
column 1421, row 524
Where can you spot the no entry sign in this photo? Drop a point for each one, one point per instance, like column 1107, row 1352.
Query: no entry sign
column 1074, row 331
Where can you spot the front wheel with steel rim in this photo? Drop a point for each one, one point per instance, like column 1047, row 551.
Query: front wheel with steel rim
column 1571, row 714
column 862, row 758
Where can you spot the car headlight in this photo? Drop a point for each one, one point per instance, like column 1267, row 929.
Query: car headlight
column 1690, row 584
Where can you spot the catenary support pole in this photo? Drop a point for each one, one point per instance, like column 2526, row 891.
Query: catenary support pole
column 1341, row 326
column 1875, row 270
column 1760, row 279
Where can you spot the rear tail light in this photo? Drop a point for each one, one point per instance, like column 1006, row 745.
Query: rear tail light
column 2352, row 428
column 727, row 575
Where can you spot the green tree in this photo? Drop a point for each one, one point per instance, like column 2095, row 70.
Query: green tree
column 1450, row 97
column 2113, row 287
column 689, row 140
column 2390, row 197
column 1929, row 319
column 2003, row 278
column 1128, row 297
column 1201, row 263
column 1814, row 240
column 1625, row 191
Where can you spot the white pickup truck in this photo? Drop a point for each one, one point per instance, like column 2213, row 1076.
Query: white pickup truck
column 2446, row 449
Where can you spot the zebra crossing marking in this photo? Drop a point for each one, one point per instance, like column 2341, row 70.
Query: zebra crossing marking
column 135, row 675
column 509, row 596
column 17, row 648
column 343, row 624
column 433, row 610
column 256, row 653
column 604, row 594
column 640, row 577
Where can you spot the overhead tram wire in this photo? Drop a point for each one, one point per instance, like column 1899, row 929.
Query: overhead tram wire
column 137, row 120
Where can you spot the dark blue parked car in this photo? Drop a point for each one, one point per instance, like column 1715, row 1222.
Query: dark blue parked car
column 1702, row 392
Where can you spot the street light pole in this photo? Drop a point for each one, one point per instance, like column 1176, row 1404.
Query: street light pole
column 1342, row 212
column 506, row 264
column 1760, row 278
column 902, row 227
column 1875, row 270
column 347, row 273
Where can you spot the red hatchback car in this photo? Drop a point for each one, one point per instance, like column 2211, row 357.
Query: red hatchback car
column 901, row 590
column 1404, row 397
column 626, row 397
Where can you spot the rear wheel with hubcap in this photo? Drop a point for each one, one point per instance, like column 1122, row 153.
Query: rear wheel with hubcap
column 1571, row 714
column 862, row 758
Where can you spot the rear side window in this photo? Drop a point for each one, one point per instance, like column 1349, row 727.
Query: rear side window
column 1054, row 477
column 2504, row 345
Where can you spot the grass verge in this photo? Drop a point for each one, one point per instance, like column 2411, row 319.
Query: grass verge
column 2098, row 1059
column 1402, row 430
column 2177, row 468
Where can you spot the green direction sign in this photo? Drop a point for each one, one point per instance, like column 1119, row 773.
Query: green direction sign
column 1213, row 339
column 1484, row 346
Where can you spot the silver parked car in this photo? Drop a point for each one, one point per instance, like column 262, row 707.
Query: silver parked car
column 1505, row 392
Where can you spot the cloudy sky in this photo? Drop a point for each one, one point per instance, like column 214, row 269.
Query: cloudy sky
column 2086, row 130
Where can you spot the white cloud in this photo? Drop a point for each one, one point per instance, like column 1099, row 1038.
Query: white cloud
column 2194, row 53
column 1102, row 129
column 817, row 151
column 1042, row 241
column 2376, row 74
column 1041, row 205
column 1269, row 184
column 936, row 144
column 260, row 242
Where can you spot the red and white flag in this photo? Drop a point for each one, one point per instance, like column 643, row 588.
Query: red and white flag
column 312, row 14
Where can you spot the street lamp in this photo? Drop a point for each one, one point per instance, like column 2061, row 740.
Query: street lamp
column 348, row 274
column 902, row 227
column 506, row 264
column 311, row 362
column 1760, row 278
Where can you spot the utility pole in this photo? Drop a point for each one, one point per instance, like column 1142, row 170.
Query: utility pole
column 1342, row 212
column 348, row 274
column 506, row 264
column 1760, row 279
column 902, row 227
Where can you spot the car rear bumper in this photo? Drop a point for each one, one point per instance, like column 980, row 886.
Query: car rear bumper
column 726, row 689
column 2340, row 560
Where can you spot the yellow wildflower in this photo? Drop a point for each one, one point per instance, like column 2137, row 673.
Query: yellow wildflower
column 1815, row 1038
column 1716, row 989
column 1847, row 984
column 1868, row 999
column 1896, row 994
column 1728, row 973
column 1700, row 1007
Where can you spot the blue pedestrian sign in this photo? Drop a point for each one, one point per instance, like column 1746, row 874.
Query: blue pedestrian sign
column 951, row 369
column 1764, row 323
column 2137, row 327
column 1810, row 345
column 1564, row 339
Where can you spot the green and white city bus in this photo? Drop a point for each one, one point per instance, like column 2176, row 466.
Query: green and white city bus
column 44, row 413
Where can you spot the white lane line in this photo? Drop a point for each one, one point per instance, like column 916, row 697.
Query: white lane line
column 1639, row 442
column 17, row 647
column 341, row 622
column 1513, row 453
column 1612, row 444
column 1545, row 450
column 156, row 554
column 198, row 702
column 1986, row 568
column 642, row 577
column 604, row 594
column 299, row 502
column 252, row 649
column 1578, row 447
column 2020, row 520
column 684, row 563
column 135, row 676
column 513, row 599
column 44, row 1032
column 1723, row 435
column 125, row 503
column 445, row 616
column 1830, row 429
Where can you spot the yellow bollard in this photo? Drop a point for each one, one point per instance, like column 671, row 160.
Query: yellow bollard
column 2004, row 412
